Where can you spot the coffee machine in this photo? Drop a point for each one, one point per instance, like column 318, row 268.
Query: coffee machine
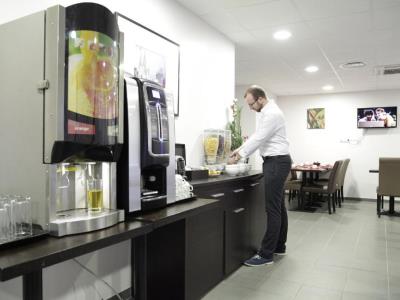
column 146, row 170
column 61, row 121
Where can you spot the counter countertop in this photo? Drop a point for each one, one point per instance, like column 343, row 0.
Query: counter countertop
column 176, row 211
column 46, row 251
column 224, row 178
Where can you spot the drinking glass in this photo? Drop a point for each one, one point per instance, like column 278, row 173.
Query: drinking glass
column 21, row 215
column 95, row 194
column 6, row 229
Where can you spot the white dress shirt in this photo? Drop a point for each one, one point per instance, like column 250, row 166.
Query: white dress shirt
column 270, row 136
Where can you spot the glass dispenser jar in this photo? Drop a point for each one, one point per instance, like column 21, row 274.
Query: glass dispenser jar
column 211, row 143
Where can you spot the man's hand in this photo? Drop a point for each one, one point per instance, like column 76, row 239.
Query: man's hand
column 234, row 157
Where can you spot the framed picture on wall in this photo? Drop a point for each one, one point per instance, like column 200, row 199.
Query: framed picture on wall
column 316, row 118
column 150, row 55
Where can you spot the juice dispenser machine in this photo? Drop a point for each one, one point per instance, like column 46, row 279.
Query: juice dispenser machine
column 146, row 170
column 61, row 121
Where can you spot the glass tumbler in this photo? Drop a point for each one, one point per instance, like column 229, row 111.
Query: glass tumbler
column 6, row 228
column 95, row 195
column 21, row 215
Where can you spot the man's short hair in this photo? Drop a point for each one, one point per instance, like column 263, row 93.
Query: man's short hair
column 368, row 112
column 256, row 91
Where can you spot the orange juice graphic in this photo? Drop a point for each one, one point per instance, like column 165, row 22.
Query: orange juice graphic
column 92, row 75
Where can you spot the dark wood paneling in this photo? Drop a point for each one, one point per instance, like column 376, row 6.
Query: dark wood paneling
column 32, row 286
column 166, row 262
column 204, row 252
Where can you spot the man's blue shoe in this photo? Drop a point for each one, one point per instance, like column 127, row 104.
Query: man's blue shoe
column 257, row 260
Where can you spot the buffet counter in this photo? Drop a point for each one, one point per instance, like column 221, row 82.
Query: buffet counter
column 184, row 249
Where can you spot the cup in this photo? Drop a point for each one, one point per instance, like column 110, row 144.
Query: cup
column 6, row 230
column 94, row 195
column 21, row 216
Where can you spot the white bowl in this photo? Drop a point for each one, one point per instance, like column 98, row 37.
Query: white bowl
column 242, row 168
column 248, row 168
column 232, row 170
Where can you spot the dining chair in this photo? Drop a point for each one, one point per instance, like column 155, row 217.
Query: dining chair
column 329, row 189
column 389, row 174
column 343, row 172
column 340, row 175
column 293, row 185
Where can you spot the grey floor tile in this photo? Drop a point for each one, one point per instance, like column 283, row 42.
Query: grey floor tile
column 370, row 283
column 226, row 291
column 280, row 287
column 314, row 293
column 267, row 296
column 327, row 277
column 363, row 296
column 349, row 255
column 369, row 265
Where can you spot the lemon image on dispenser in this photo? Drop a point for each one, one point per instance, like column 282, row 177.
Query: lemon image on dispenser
column 92, row 75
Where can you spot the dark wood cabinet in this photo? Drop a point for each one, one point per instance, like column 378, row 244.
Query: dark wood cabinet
column 244, row 221
column 236, row 229
column 204, row 253
column 257, row 214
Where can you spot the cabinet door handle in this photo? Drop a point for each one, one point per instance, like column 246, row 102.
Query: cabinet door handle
column 238, row 190
column 255, row 184
column 238, row 210
column 219, row 195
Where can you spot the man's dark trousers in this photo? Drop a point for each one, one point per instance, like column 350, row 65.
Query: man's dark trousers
column 276, row 170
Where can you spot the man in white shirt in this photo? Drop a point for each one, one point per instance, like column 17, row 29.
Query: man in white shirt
column 270, row 139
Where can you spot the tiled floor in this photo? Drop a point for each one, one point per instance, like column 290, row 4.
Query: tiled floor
column 350, row 255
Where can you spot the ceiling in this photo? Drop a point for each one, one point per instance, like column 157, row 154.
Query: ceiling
column 325, row 33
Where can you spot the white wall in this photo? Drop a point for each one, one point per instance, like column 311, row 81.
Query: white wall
column 68, row 280
column 207, row 65
column 249, row 121
column 330, row 144
column 206, row 91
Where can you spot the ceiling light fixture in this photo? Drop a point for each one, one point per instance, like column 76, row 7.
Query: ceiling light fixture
column 311, row 69
column 327, row 87
column 282, row 35
column 353, row 65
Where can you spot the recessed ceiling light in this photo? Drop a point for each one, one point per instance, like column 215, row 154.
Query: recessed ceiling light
column 282, row 35
column 353, row 65
column 311, row 69
column 327, row 87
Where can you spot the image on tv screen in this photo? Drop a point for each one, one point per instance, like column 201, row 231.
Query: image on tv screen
column 377, row 117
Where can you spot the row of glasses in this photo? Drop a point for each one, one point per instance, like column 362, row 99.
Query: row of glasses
column 15, row 217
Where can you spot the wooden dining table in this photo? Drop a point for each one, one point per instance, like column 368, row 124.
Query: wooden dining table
column 312, row 170
column 309, row 174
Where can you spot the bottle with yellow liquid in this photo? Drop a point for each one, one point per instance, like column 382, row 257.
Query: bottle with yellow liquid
column 95, row 195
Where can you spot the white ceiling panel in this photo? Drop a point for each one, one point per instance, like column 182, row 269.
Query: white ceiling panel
column 386, row 18
column 224, row 21
column 343, row 26
column 269, row 14
column 315, row 9
column 237, row 3
column 302, row 54
column 201, row 7
column 243, row 38
column 385, row 3
column 388, row 82
column 387, row 55
column 300, row 31
column 326, row 33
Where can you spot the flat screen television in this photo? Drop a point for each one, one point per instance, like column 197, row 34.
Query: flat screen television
column 377, row 117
